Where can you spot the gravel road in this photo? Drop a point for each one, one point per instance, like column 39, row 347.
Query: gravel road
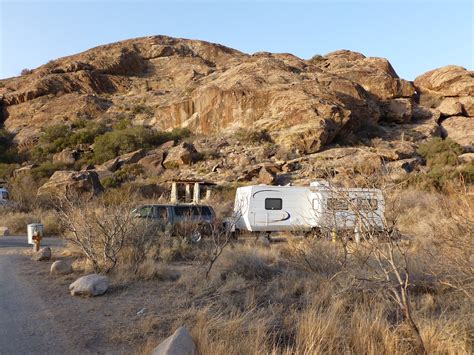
column 26, row 324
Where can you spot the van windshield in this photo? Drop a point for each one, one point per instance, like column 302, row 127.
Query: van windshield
column 192, row 211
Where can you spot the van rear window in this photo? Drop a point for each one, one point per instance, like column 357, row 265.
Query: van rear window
column 273, row 203
column 192, row 211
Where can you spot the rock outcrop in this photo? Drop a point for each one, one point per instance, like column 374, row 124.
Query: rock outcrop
column 450, row 90
column 63, row 182
column 209, row 88
column 183, row 154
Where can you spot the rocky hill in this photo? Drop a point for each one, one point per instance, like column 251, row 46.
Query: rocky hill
column 304, row 106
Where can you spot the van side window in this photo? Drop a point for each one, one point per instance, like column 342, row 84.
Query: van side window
column 190, row 211
column 162, row 213
column 145, row 212
column 273, row 203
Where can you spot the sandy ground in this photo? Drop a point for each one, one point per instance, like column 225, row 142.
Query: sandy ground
column 38, row 315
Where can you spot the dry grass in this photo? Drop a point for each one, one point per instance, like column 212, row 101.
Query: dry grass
column 309, row 296
column 17, row 221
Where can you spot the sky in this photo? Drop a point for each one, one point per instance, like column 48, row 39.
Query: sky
column 416, row 36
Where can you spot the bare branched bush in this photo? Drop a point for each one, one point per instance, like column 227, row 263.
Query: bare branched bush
column 102, row 231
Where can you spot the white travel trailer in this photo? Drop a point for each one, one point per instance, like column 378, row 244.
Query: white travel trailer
column 318, row 207
column 3, row 196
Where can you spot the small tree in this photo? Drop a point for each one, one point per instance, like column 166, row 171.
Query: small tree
column 102, row 230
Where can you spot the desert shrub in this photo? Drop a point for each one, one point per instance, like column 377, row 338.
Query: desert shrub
column 253, row 136
column 6, row 170
column 441, row 157
column 26, row 71
column 57, row 137
column 103, row 233
column 118, row 142
column 175, row 249
column 440, row 152
column 121, row 141
column 142, row 109
column 8, row 152
column 45, row 170
column 23, row 190
column 250, row 264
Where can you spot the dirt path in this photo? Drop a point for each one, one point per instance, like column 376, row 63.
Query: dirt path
column 39, row 316
column 26, row 323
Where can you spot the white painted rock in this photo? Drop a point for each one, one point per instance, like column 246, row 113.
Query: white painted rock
column 89, row 285
column 60, row 267
column 42, row 255
column 4, row 232
column 180, row 343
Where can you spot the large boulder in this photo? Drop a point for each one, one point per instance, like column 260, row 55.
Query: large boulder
column 180, row 343
column 446, row 81
column 63, row 182
column 43, row 254
column 124, row 159
column 375, row 75
column 466, row 158
column 89, row 285
column 60, row 267
column 67, row 156
column 450, row 107
column 152, row 163
column 398, row 110
column 461, row 130
column 266, row 176
column 182, row 154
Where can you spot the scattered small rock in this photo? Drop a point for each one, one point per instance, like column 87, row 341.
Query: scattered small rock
column 42, row 255
column 180, row 343
column 141, row 312
column 60, row 267
column 89, row 285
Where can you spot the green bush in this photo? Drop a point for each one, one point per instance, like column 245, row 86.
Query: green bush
column 45, row 170
column 440, row 152
column 441, row 157
column 57, row 137
column 6, row 170
column 121, row 141
column 126, row 174
column 8, row 152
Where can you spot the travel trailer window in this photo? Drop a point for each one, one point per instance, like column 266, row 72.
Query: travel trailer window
column 337, row 204
column 273, row 203
column 366, row 204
